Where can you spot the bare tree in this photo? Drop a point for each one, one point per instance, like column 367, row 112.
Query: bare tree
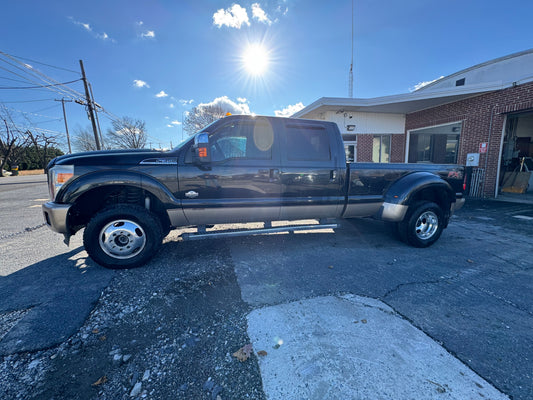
column 127, row 133
column 201, row 116
column 11, row 139
column 83, row 139
column 41, row 142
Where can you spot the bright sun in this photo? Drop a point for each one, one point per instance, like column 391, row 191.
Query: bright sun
column 255, row 59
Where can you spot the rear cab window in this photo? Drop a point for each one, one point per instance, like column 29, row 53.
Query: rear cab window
column 307, row 142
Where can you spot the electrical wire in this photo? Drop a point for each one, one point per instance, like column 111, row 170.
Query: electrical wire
column 36, row 74
column 26, row 101
column 48, row 65
column 47, row 108
column 13, row 80
column 50, row 83
column 30, row 113
column 40, row 86
column 36, row 83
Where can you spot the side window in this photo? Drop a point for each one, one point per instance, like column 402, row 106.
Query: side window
column 243, row 140
column 307, row 143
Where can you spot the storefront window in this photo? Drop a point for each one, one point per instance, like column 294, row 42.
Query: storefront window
column 437, row 145
column 381, row 149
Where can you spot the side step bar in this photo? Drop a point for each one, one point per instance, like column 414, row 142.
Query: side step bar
column 202, row 234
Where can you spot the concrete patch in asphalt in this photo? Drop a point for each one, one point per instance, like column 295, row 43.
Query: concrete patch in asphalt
column 353, row 347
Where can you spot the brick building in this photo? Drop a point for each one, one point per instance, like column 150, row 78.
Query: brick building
column 481, row 116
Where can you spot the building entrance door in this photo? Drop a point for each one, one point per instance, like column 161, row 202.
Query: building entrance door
column 517, row 155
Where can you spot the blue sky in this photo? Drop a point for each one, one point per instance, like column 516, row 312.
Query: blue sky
column 155, row 60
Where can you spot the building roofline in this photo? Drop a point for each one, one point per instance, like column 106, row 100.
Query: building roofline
column 407, row 102
column 483, row 64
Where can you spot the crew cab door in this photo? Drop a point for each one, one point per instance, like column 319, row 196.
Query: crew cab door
column 312, row 174
column 241, row 182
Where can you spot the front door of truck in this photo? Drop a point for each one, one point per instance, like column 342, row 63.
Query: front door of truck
column 312, row 173
column 242, row 181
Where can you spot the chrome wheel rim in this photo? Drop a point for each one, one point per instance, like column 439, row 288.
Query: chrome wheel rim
column 426, row 225
column 122, row 239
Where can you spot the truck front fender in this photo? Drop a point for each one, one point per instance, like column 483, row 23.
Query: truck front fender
column 101, row 179
column 414, row 187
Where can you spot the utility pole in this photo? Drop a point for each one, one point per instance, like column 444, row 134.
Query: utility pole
column 65, row 119
column 96, row 113
column 90, row 107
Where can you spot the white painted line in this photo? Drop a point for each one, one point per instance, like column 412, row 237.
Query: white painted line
column 354, row 348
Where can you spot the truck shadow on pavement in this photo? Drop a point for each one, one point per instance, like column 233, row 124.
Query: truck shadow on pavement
column 46, row 302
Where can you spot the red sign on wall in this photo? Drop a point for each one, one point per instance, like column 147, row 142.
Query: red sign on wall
column 483, row 147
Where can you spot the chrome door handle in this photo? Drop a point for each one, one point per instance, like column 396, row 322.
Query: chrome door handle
column 191, row 194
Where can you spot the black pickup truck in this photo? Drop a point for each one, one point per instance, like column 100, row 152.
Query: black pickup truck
column 240, row 169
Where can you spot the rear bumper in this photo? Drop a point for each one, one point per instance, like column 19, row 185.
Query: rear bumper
column 55, row 216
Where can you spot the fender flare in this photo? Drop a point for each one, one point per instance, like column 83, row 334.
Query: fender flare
column 401, row 193
column 101, row 179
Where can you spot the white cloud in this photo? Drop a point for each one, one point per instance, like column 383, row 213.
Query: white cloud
column 228, row 105
column 422, row 84
column 140, row 84
column 171, row 105
column 233, row 17
column 161, row 94
column 148, row 34
column 259, row 14
column 185, row 102
column 242, row 100
column 88, row 28
column 289, row 110
column 173, row 124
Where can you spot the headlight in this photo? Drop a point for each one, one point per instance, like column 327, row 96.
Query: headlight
column 57, row 177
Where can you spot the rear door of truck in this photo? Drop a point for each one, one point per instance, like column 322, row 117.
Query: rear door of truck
column 313, row 170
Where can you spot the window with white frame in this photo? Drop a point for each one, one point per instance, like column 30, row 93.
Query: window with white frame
column 381, row 148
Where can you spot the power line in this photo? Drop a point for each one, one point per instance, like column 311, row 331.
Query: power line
column 50, row 83
column 26, row 101
column 48, row 65
column 30, row 113
column 38, row 87
column 35, row 73
column 32, row 81
column 46, row 108
column 50, row 120
column 34, row 128
column 13, row 80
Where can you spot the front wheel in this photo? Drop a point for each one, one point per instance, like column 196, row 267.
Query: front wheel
column 122, row 236
column 423, row 225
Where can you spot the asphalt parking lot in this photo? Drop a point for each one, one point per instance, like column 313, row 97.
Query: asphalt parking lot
column 358, row 303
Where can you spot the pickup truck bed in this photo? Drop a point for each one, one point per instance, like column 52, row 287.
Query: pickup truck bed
column 240, row 169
